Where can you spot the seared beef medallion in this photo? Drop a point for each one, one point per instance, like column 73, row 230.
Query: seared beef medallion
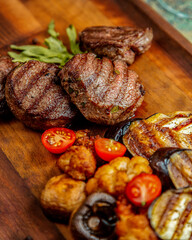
column 36, row 99
column 105, row 92
column 116, row 42
column 6, row 66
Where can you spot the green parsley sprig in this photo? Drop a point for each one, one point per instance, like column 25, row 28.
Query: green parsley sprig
column 54, row 52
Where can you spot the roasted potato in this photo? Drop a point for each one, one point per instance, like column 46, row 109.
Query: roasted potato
column 132, row 225
column 61, row 196
column 113, row 177
column 78, row 162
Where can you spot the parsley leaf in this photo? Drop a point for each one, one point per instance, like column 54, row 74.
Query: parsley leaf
column 72, row 35
column 54, row 52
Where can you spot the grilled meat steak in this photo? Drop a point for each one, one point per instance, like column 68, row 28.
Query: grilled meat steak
column 160, row 130
column 6, row 66
column 116, row 42
column 105, row 92
column 34, row 97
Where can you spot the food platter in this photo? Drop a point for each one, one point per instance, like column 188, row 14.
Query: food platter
column 26, row 166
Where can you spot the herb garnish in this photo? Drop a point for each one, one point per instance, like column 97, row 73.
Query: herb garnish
column 117, row 71
column 55, row 52
column 70, row 90
column 83, row 104
column 114, row 109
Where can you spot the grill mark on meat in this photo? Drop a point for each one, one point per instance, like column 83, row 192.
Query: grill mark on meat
column 38, row 101
column 123, row 93
column 37, row 88
column 128, row 91
column 76, row 73
column 60, row 109
column 87, row 69
column 99, row 88
column 93, row 73
column 91, row 81
column 33, row 82
column 33, row 97
column 109, row 35
column 34, row 105
column 20, row 73
column 116, row 42
column 70, row 68
column 47, row 104
column 6, row 66
column 117, row 83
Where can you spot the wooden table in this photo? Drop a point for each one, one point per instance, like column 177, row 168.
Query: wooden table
column 25, row 165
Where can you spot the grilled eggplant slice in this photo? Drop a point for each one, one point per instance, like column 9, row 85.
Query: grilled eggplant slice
column 117, row 131
column 160, row 130
column 173, row 166
column 171, row 214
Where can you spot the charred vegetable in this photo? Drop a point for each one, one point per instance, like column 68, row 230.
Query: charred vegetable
column 173, row 166
column 112, row 178
column 117, row 131
column 95, row 219
column 145, row 136
column 171, row 214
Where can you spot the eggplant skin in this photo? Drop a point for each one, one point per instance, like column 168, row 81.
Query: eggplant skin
column 144, row 137
column 171, row 214
column 173, row 166
column 117, row 131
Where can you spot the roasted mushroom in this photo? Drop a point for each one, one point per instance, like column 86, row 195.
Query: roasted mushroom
column 171, row 214
column 173, row 166
column 95, row 219
column 61, row 196
column 78, row 161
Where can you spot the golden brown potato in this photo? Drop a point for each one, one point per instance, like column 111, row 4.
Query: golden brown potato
column 113, row 177
column 78, row 162
column 61, row 196
column 132, row 225
column 83, row 137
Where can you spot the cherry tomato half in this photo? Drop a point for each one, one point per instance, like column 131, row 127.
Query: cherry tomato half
column 57, row 140
column 108, row 149
column 143, row 189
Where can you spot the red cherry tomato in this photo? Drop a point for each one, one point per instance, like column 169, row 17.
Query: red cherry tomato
column 108, row 149
column 143, row 189
column 57, row 140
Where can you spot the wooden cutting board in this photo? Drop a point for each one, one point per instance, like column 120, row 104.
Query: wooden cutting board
column 25, row 165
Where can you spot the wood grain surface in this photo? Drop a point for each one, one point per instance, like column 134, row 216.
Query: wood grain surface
column 25, row 165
